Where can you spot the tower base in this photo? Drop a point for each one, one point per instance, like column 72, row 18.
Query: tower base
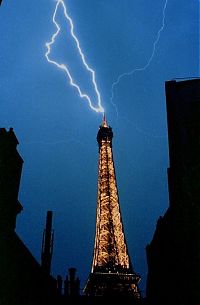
column 112, row 284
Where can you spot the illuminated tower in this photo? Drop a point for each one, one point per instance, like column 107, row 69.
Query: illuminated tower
column 112, row 273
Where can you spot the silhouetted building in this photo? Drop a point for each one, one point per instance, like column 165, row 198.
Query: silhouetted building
column 10, row 174
column 22, row 280
column 174, row 253
column 112, row 272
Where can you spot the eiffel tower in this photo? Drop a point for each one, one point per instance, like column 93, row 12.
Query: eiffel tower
column 112, row 272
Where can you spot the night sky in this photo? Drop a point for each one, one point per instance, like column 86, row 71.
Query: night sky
column 57, row 130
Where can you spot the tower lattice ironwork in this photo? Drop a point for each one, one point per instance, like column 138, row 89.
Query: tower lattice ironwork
column 112, row 272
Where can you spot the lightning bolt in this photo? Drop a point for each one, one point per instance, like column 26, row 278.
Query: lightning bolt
column 64, row 67
column 115, row 83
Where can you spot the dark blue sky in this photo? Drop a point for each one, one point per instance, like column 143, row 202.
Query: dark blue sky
column 57, row 130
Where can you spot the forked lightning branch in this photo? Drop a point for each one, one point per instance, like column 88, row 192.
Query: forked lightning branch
column 65, row 68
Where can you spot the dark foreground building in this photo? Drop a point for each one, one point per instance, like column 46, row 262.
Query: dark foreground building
column 22, row 279
column 174, row 253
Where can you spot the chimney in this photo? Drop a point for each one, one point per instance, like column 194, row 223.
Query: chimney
column 72, row 284
column 59, row 284
column 47, row 244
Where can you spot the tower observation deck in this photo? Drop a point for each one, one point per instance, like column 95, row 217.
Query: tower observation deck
column 112, row 272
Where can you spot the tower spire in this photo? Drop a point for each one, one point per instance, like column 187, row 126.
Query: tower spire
column 112, row 272
column 104, row 122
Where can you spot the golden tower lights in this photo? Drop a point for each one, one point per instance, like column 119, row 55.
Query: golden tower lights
column 112, row 272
